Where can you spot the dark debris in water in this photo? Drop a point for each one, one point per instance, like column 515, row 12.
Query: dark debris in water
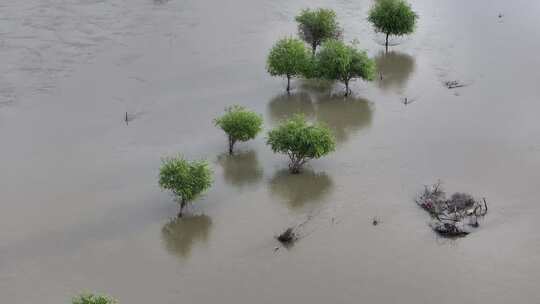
column 453, row 84
column 287, row 237
column 451, row 217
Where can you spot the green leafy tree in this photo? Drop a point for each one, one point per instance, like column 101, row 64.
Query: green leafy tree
column 316, row 26
column 185, row 179
column 301, row 141
column 338, row 61
column 392, row 17
column 288, row 57
column 311, row 70
column 89, row 298
column 239, row 124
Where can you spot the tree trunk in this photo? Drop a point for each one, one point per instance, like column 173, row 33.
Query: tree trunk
column 387, row 42
column 295, row 166
column 313, row 48
column 288, row 84
column 182, row 205
column 347, row 88
column 295, row 169
column 231, row 145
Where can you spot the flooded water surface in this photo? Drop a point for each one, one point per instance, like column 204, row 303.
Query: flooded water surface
column 81, row 208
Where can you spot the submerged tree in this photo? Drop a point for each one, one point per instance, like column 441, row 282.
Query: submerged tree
column 392, row 17
column 185, row 179
column 240, row 124
column 301, row 141
column 89, row 298
column 338, row 61
column 316, row 26
column 288, row 57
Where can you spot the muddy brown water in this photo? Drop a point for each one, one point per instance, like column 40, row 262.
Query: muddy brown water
column 80, row 205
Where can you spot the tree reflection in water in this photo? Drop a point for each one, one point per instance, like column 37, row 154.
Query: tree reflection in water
column 241, row 169
column 180, row 234
column 344, row 115
column 396, row 68
column 299, row 189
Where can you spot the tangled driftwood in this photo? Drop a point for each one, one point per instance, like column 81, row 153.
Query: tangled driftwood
column 451, row 217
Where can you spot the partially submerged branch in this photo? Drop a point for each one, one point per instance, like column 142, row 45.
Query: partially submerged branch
column 453, row 84
column 292, row 234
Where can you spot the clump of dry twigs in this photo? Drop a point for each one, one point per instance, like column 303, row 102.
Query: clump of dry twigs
column 452, row 217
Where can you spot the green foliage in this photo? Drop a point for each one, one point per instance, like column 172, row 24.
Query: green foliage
column 240, row 124
column 185, row 179
column 288, row 57
column 311, row 69
column 316, row 26
column 89, row 298
column 301, row 141
column 392, row 17
column 338, row 61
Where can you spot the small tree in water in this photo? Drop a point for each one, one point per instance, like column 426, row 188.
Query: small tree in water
column 316, row 26
column 288, row 57
column 185, row 179
column 338, row 61
column 392, row 17
column 301, row 141
column 89, row 298
column 240, row 124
